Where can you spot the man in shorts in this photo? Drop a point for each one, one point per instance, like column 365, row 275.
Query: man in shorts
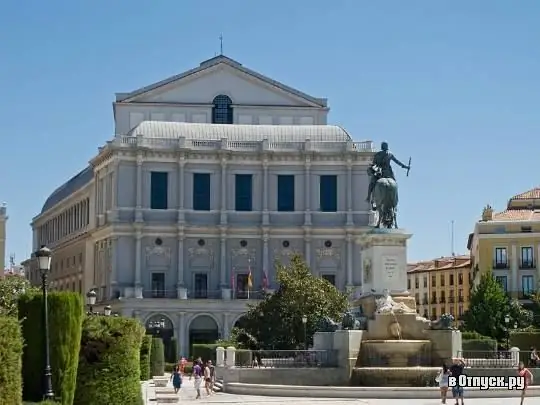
column 197, row 374
column 456, row 369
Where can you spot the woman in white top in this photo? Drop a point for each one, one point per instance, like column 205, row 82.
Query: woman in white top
column 442, row 379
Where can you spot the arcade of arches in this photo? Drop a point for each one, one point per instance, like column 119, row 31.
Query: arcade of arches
column 189, row 329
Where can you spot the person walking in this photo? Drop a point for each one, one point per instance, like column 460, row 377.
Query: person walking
column 176, row 378
column 456, row 370
column 442, row 379
column 197, row 374
column 527, row 375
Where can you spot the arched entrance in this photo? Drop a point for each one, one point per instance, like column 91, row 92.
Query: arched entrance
column 203, row 329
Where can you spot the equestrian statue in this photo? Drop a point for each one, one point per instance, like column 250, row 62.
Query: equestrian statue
column 383, row 190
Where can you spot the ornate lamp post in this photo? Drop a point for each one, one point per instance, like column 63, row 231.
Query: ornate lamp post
column 91, row 297
column 157, row 326
column 43, row 256
column 107, row 310
column 506, row 322
column 304, row 322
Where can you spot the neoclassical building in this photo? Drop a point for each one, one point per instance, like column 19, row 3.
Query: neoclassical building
column 212, row 176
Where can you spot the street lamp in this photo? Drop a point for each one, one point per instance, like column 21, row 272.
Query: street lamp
column 507, row 321
column 157, row 325
column 91, row 297
column 107, row 310
column 43, row 256
column 304, row 322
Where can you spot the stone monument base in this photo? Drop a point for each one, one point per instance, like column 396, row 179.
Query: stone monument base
column 368, row 303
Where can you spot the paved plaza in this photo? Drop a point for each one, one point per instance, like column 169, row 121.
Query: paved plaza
column 187, row 393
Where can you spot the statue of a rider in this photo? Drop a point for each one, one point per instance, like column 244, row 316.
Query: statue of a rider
column 381, row 168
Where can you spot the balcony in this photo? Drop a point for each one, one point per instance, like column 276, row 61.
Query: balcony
column 528, row 264
column 442, row 300
column 461, row 299
column 433, row 300
column 451, row 300
column 525, row 295
column 201, row 294
column 159, row 293
column 500, row 265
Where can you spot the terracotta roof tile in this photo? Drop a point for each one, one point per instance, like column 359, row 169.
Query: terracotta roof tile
column 442, row 263
column 528, row 195
column 514, row 215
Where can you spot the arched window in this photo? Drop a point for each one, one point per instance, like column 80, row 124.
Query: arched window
column 222, row 112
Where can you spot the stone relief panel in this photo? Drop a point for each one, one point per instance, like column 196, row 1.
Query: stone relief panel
column 201, row 253
column 328, row 254
column 158, row 256
column 243, row 254
column 284, row 249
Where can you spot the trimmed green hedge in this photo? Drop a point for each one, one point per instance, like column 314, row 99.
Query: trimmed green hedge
column 171, row 350
column 109, row 362
column 480, row 345
column 205, row 351
column 525, row 339
column 65, row 322
column 157, row 358
column 146, row 349
column 11, row 349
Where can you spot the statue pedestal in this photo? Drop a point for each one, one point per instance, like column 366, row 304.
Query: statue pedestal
column 384, row 267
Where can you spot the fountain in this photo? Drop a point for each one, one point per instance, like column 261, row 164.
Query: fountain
column 385, row 357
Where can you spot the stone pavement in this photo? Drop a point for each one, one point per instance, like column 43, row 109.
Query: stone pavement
column 188, row 393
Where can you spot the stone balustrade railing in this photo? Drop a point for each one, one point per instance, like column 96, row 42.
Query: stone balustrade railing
column 247, row 146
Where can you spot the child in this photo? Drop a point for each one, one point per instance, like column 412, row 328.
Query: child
column 526, row 373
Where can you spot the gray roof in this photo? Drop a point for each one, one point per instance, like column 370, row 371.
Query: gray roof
column 77, row 182
column 120, row 97
column 278, row 133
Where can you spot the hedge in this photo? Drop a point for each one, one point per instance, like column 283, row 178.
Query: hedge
column 171, row 350
column 109, row 362
column 525, row 339
column 157, row 357
column 66, row 311
column 11, row 349
column 479, row 345
column 146, row 349
column 205, row 351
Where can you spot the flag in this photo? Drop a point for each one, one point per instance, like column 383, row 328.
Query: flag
column 250, row 277
column 232, row 279
column 265, row 280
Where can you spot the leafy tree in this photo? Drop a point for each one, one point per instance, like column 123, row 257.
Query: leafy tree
column 489, row 305
column 11, row 287
column 519, row 315
column 276, row 321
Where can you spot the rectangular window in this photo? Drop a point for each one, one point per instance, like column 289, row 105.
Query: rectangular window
column 425, row 281
column 460, row 278
column 442, row 298
column 158, row 285
column 200, row 285
column 433, row 297
column 242, row 287
column 433, row 281
column 416, row 282
column 527, row 261
column 433, row 313
column 243, row 192
column 425, row 301
column 451, row 281
column 442, row 280
column 328, row 193
column 201, row 191
column 460, row 296
column 159, row 190
column 285, row 192
column 503, row 281
column 408, row 283
column 501, row 259
column 331, row 278
column 527, row 285
column 417, row 298
column 460, row 310
column 451, row 296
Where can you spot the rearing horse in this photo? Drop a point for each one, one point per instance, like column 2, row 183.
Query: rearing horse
column 385, row 196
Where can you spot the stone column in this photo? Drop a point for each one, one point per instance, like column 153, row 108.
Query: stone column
column 307, row 247
column 537, row 258
column 138, row 258
column 230, row 358
column 182, row 334
column 514, row 269
column 349, row 193
column 223, row 191
column 225, row 291
column 220, row 356
column 180, row 190
column 114, row 266
column 226, row 327
column 307, row 191
column 181, row 290
column 265, row 264
column 139, row 188
column 266, row 216
column 350, row 247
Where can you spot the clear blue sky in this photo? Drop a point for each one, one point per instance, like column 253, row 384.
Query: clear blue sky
column 454, row 84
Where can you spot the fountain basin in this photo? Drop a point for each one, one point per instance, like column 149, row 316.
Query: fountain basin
column 394, row 376
column 395, row 353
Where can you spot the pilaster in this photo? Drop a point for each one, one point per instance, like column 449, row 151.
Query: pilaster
column 349, row 193
column 139, row 188
column 180, row 184
column 223, row 216
column 138, row 258
column 307, row 191
column 180, row 287
column 266, row 216
column 307, row 247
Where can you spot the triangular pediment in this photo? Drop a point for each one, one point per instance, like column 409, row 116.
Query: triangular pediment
column 221, row 75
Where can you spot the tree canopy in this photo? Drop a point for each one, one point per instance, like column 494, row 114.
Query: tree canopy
column 488, row 308
column 276, row 321
column 11, row 286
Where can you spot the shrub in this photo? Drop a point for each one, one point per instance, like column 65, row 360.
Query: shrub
column 205, row 351
column 467, row 335
column 109, row 362
column 11, row 349
column 65, row 321
column 157, row 357
column 146, row 349
column 479, row 345
column 171, row 350
column 525, row 339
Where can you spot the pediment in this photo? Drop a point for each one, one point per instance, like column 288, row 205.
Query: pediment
column 202, row 85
